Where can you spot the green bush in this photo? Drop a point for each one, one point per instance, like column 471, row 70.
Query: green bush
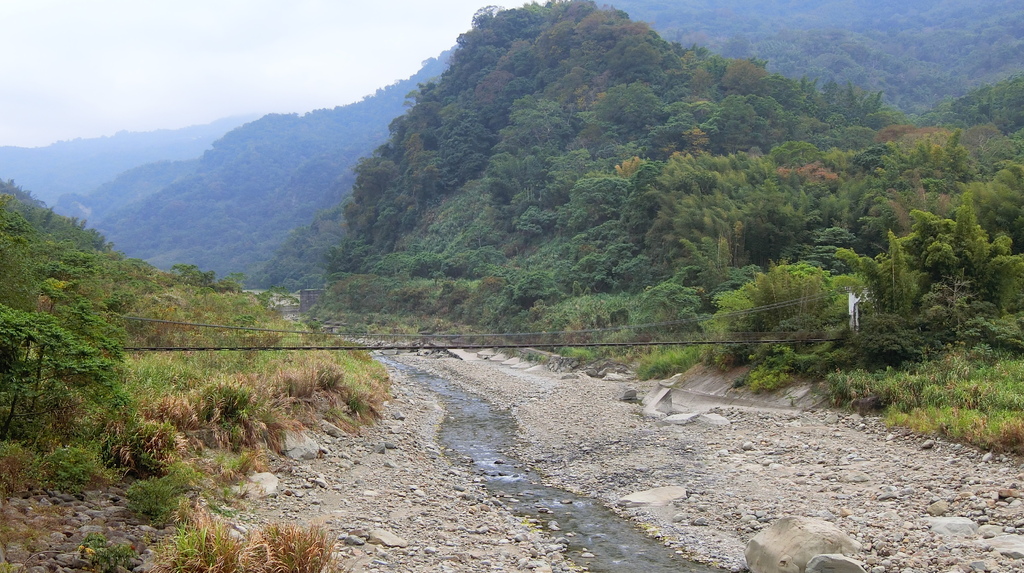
column 71, row 469
column 666, row 362
column 159, row 498
column 103, row 557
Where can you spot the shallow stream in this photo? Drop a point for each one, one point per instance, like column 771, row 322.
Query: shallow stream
column 596, row 537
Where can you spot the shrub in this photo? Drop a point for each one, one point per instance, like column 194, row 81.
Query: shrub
column 103, row 557
column 142, row 447
column 71, row 469
column 160, row 498
column 16, row 464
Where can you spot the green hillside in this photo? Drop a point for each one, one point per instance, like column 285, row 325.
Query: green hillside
column 572, row 170
column 79, row 413
column 916, row 52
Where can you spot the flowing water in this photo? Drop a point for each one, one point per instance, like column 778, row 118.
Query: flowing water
column 474, row 429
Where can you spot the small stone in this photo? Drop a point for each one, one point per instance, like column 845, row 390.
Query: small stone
column 386, row 538
column 927, row 444
column 352, row 540
column 938, row 509
column 330, row 429
column 990, row 531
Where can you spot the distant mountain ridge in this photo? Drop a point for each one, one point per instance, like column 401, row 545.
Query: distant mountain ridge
column 80, row 165
column 230, row 209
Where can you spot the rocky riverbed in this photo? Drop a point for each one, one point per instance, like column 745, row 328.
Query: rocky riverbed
column 742, row 469
column 396, row 501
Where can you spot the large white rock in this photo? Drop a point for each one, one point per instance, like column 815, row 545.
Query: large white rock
column 711, row 419
column 657, row 497
column 834, row 563
column 262, row 484
column 681, row 419
column 1011, row 546
column 953, row 526
column 386, row 538
column 299, row 446
column 791, row 542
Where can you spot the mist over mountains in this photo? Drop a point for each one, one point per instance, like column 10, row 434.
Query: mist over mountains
column 79, row 166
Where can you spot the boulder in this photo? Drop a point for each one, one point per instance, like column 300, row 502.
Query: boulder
column 299, row 446
column 386, row 538
column 1011, row 546
column 261, row 484
column 953, row 526
column 657, row 497
column 681, row 419
column 711, row 419
column 331, row 430
column 791, row 542
column 834, row 563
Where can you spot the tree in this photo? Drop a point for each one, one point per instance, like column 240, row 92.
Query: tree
column 46, row 371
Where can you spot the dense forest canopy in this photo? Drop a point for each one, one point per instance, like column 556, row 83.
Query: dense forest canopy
column 916, row 52
column 571, row 169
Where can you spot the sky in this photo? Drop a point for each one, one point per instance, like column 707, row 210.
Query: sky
column 81, row 69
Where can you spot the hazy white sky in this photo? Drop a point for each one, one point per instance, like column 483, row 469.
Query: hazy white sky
column 77, row 68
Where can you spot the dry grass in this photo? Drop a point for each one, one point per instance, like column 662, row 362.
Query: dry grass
column 204, row 544
column 16, row 463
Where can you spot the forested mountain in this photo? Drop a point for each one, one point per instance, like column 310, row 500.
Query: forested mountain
column 571, row 169
column 80, row 165
column 236, row 204
column 128, row 187
column 916, row 52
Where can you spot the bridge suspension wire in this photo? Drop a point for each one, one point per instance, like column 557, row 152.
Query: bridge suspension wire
column 255, row 338
column 692, row 320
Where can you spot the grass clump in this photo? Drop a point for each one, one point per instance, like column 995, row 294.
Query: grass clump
column 72, row 469
column 205, row 544
column 161, row 498
column 241, row 415
column 666, row 362
column 965, row 397
column 142, row 447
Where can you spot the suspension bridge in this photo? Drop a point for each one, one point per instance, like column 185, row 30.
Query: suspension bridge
column 160, row 335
